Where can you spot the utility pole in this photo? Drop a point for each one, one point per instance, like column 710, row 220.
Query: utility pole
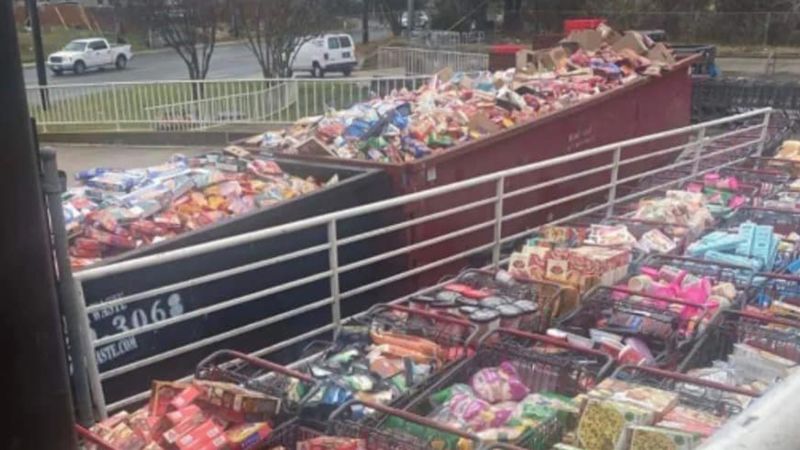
column 38, row 50
column 37, row 393
column 365, row 22
column 410, row 22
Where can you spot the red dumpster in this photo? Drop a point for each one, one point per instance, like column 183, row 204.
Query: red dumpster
column 571, row 25
column 645, row 106
column 503, row 56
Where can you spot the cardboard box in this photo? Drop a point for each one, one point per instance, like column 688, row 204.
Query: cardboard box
column 661, row 54
column 631, row 40
column 588, row 40
column 248, row 435
column 199, row 436
column 161, row 394
column 188, row 424
column 238, row 404
column 185, row 398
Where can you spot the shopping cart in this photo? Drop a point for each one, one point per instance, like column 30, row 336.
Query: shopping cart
column 775, row 335
column 455, row 338
column 741, row 277
column 543, row 363
column 259, row 375
column 290, row 433
column 547, row 296
column 716, row 398
column 768, row 180
column 788, row 166
column 660, row 322
column 90, row 440
column 770, row 287
column 387, row 428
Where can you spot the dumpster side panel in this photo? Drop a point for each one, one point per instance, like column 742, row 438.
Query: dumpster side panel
column 357, row 188
column 644, row 108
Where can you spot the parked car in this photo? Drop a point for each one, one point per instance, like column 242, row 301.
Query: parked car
column 327, row 53
column 421, row 19
column 81, row 55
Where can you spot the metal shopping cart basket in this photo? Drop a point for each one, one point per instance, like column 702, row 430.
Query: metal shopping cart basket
column 259, row 375
column 454, row 338
column 770, row 287
column 658, row 321
column 716, row 398
column 778, row 336
column 290, row 433
column 90, row 439
column 543, row 364
column 388, row 428
column 768, row 181
column 740, row 277
column 547, row 296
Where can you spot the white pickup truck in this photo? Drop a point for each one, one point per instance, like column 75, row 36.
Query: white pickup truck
column 82, row 54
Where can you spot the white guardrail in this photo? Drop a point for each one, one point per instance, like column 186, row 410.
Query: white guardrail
column 418, row 61
column 700, row 148
column 199, row 105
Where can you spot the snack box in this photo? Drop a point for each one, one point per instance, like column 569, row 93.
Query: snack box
column 248, row 435
column 655, row 438
column 691, row 420
column 605, row 424
column 655, row 400
column 161, row 394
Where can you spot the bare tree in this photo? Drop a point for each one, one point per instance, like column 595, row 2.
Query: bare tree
column 187, row 26
column 274, row 29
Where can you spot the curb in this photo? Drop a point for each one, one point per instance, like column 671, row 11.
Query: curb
column 154, row 51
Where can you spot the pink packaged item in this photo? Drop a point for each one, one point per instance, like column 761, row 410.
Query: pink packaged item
column 499, row 384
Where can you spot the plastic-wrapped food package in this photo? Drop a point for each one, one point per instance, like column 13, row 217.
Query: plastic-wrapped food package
column 120, row 210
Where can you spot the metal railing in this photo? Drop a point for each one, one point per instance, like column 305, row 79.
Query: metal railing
column 445, row 39
column 418, row 61
column 693, row 150
column 194, row 105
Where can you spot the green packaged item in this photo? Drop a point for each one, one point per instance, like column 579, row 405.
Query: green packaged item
column 429, row 437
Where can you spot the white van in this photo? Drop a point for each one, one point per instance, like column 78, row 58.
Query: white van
column 328, row 53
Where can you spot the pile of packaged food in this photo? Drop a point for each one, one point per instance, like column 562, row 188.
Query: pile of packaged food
column 451, row 109
column 590, row 341
column 114, row 210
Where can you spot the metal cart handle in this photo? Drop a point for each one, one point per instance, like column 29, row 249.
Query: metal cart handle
column 424, row 421
column 546, row 340
column 697, row 261
column 93, row 438
column 765, row 318
column 676, row 301
column 609, row 362
column 258, row 362
column 779, row 276
column 688, row 379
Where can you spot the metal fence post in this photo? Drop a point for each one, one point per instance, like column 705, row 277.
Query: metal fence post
column 698, row 152
column 87, row 342
column 333, row 262
column 498, row 222
column 116, row 105
column 612, row 192
column 766, row 28
column 764, row 128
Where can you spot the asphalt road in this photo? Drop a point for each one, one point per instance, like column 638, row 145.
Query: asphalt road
column 230, row 61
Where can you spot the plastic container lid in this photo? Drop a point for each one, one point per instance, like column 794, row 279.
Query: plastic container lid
column 509, row 310
column 526, row 306
column 484, row 316
column 447, row 296
column 493, row 302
